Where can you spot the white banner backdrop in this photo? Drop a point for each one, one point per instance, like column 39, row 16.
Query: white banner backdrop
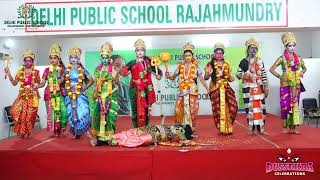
column 72, row 17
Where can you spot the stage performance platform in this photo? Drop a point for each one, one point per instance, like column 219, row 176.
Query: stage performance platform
column 236, row 156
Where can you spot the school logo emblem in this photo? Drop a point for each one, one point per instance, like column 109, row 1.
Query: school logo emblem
column 26, row 11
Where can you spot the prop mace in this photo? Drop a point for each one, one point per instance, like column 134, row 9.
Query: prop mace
column 155, row 61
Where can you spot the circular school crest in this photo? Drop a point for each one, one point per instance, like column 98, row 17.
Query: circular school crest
column 26, row 11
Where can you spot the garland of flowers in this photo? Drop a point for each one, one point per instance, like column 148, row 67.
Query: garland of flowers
column 109, row 86
column 296, row 63
column 293, row 75
column 100, row 80
column 23, row 90
column 225, row 73
column 54, row 88
column 293, row 69
column 75, row 94
column 101, row 77
column 190, row 78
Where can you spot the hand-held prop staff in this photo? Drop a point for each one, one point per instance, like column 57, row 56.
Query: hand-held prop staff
column 165, row 57
column 155, row 61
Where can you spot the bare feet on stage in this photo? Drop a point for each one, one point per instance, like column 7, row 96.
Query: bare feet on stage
column 194, row 136
column 224, row 134
column 293, row 131
column 92, row 140
column 290, row 131
column 285, row 131
column 250, row 130
column 25, row 135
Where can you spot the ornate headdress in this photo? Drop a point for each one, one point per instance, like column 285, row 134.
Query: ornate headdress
column 106, row 49
column 28, row 53
column 75, row 51
column 188, row 47
column 287, row 38
column 55, row 50
column 219, row 45
column 252, row 41
column 139, row 44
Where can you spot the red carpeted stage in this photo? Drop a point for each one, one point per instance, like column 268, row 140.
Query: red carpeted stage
column 237, row 156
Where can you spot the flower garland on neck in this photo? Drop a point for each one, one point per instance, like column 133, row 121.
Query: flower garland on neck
column 75, row 94
column 221, row 72
column 102, row 77
column 186, row 81
column 296, row 63
column 293, row 73
column 54, row 87
column 24, row 91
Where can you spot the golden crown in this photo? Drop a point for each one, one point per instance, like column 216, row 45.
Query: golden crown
column 188, row 47
column 252, row 41
column 75, row 51
column 218, row 45
column 55, row 50
column 106, row 49
column 287, row 38
column 28, row 53
column 139, row 44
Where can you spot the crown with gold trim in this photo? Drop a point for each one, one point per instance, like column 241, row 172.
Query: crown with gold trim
column 140, row 44
column 28, row 53
column 188, row 47
column 75, row 51
column 250, row 42
column 106, row 49
column 287, row 38
column 219, row 45
column 55, row 50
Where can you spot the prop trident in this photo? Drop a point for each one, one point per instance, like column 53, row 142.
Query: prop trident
column 7, row 60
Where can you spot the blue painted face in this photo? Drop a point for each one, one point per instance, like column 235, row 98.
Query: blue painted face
column 73, row 60
column 105, row 60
